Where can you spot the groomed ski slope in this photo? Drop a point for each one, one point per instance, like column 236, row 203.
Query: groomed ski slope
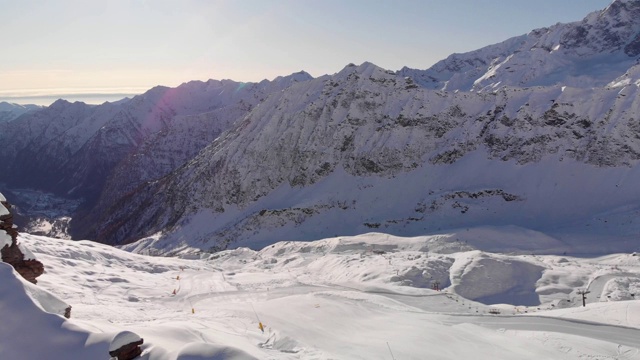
column 364, row 297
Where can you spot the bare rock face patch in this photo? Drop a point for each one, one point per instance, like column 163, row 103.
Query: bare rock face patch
column 12, row 253
column 126, row 346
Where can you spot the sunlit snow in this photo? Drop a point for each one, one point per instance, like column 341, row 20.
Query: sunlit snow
column 364, row 297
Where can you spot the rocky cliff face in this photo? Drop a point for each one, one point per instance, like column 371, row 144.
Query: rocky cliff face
column 339, row 148
column 12, row 253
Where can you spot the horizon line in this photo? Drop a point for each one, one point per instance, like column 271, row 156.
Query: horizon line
column 87, row 98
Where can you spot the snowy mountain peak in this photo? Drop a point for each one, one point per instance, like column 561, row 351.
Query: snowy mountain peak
column 588, row 53
column 366, row 70
column 295, row 77
column 614, row 28
column 362, row 68
column 301, row 76
column 618, row 7
column 59, row 103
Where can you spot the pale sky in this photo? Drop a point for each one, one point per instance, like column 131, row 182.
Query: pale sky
column 117, row 46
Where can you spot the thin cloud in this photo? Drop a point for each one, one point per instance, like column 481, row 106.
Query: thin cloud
column 63, row 92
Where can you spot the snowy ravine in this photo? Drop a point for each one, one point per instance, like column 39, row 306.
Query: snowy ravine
column 364, row 297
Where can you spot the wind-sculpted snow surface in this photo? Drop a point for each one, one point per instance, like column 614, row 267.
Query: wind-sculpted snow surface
column 365, row 150
column 339, row 298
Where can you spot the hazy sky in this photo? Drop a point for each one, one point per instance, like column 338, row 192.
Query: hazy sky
column 117, row 46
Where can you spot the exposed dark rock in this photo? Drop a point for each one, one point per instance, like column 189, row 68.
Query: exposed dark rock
column 29, row 269
column 126, row 346
column 633, row 48
column 447, row 157
column 128, row 352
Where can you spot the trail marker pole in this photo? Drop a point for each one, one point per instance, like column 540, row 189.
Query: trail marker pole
column 260, row 326
column 193, row 310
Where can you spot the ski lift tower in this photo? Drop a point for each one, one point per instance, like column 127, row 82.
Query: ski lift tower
column 584, row 293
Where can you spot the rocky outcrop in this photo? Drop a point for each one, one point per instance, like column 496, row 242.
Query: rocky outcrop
column 126, row 346
column 12, row 253
column 128, row 352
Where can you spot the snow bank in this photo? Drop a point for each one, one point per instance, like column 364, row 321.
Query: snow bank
column 123, row 338
column 491, row 279
column 5, row 239
column 340, row 298
column 27, row 332
column 3, row 210
column 28, row 254
column 44, row 299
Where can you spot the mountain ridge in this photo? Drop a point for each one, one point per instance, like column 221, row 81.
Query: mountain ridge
column 83, row 139
column 602, row 46
column 219, row 163
column 262, row 154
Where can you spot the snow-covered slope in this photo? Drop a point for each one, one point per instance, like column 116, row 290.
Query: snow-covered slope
column 186, row 135
column 216, row 164
column 589, row 53
column 366, row 297
column 76, row 149
column 365, row 149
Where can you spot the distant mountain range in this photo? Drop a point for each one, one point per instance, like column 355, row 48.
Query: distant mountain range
column 541, row 131
column 10, row 111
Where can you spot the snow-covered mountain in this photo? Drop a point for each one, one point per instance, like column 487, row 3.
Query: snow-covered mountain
column 366, row 149
column 75, row 149
column 479, row 193
column 589, row 53
column 548, row 139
